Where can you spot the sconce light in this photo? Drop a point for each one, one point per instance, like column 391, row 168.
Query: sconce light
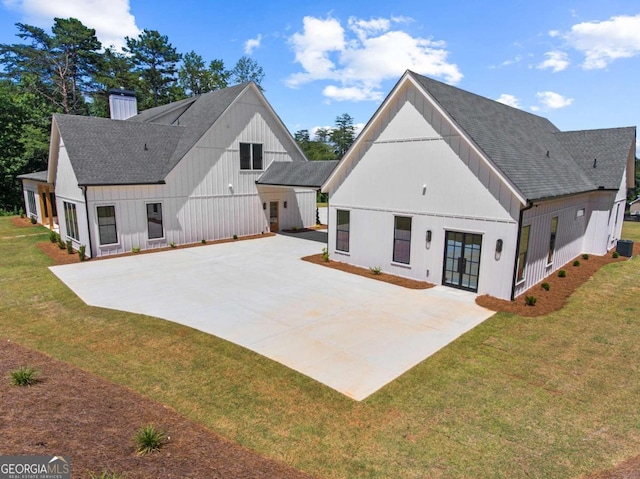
column 428, row 236
column 424, row 189
column 285, row 204
column 264, row 206
column 499, row 246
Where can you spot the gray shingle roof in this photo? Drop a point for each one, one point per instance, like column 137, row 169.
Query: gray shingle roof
column 144, row 148
column 36, row 176
column 517, row 142
column 311, row 174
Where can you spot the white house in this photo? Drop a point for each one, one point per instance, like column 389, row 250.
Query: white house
column 449, row 187
column 178, row 173
column 634, row 207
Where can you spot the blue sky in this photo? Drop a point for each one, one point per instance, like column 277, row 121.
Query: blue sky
column 574, row 62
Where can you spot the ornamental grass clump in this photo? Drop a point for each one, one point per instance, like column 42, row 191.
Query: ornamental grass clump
column 149, row 439
column 24, row 376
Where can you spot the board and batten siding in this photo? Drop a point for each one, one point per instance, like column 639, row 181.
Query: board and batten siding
column 413, row 163
column 207, row 196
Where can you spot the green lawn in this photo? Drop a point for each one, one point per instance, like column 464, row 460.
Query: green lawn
column 549, row 397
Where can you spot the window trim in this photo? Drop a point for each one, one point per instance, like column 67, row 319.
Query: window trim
column 71, row 220
column 115, row 225
column 553, row 235
column 521, row 276
column 146, row 207
column 31, row 203
column 347, row 230
column 394, row 259
column 254, row 149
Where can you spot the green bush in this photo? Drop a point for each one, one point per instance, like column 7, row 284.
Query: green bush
column 135, row 249
column 53, row 236
column 576, row 263
column 325, row 254
column 615, row 254
column 203, row 241
column 149, row 439
column 530, row 300
column 24, row 376
column 69, row 247
column 235, row 237
column 375, row 270
column 545, row 286
column 33, row 219
column 61, row 243
column 81, row 252
column 172, row 244
column 585, row 256
column 562, row 274
column 21, row 212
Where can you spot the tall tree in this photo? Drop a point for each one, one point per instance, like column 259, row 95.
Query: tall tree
column 314, row 150
column 60, row 67
column 195, row 78
column 115, row 71
column 343, row 135
column 247, row 69
column 155, row 60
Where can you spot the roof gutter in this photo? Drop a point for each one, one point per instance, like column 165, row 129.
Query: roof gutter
column 86, row 185
column 515, row 260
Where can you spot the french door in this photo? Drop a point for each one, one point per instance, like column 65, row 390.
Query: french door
column 462, row 260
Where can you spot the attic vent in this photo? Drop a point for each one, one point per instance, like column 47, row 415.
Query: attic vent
column 595, row 162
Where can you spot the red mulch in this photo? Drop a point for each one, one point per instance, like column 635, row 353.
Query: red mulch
column 384, row 277
column 629, row 469
column 21, row 222
column 74, row 413
column 559, row 291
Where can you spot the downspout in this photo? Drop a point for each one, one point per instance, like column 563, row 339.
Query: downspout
column 515, row 260
column 86, row 207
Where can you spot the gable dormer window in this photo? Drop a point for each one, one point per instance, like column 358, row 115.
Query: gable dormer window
column 251, row 156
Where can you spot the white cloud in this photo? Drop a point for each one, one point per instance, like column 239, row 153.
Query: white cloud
column 111, row 19
column 552, row 101
column 251, row 44
column 556, row 61
column 606, row 41
column 359, row 58
column 509, row 100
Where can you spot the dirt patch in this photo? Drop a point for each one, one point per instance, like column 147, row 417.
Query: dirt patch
column 384, row 277
column 311, row 228
column 559, row 288
column 74, row 413
column 60, row 256
column 21, row 222
column 629, row 469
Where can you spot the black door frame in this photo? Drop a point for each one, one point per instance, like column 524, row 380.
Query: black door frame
column 462, row 261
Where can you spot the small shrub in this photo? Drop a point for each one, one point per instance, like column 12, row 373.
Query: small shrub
column 172, row 244
column 24, row 376
column 576, row 263
column 376, row 270
column 53, row 236
column 21, row 213
column 81, row 251
column 69, row 247
column 615, row 254
column 530, row 300
column 135, row 249
column 585, row 256
column 562, row 274
column 61, row 243
column 325, row 254
column 149, row 439
column 33, row 219
column 235, row 237
column 545, row 286
column 203, row 241
column 106, row 475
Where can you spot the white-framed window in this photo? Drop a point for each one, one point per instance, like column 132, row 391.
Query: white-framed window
column 580, row 213
column 522, row 252
column 107, row 230
column 31, row 203
column 342, row 230
column 552, row 240
column 251, row 156
column 71, row 220
column 402, row 239
column 155, row 229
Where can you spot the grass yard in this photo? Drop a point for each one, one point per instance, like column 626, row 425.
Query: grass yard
column 556, row 396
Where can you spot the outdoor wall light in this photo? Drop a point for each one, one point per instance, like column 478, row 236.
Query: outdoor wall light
column 264, row 206
column 424, row 189
column 499, row 246
column 285, row 204
column 428, row 236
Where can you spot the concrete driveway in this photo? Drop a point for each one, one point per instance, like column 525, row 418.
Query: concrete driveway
column 351, row 333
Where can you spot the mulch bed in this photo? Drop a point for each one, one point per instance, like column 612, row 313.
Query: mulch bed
column 387, row 278
column 74, row 413
column 312, row 228
column 560, row 288
column 21, row 222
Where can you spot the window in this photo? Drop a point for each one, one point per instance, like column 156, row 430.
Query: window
column 154, row 221
column 580, row 213
column 71, row 220
column 107, row 225
column 250, row 156
column 552, row 239
column 522, row 252
column 342, row 231
column 402, row 239
column 31, row 200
